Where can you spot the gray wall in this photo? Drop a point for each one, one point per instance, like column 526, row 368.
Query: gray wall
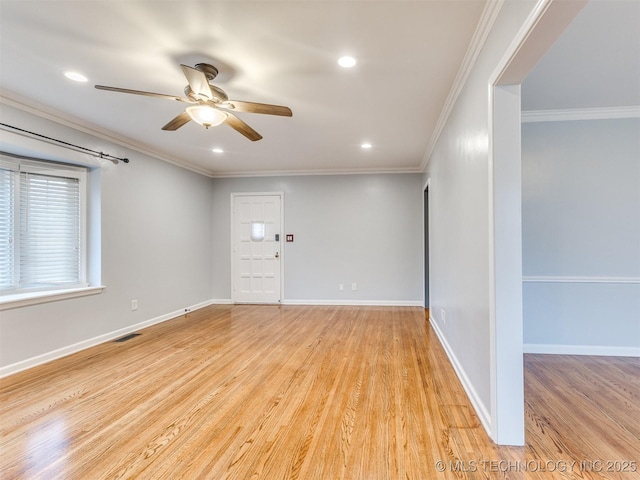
column 155, row 242
column 365, row 229
column 458, row 169
column 581, row 234
column 161, row 236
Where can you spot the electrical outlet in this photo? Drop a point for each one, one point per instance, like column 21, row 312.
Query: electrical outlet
column 134, row 304
column 341, row 287
column 354, row 286
column 443, row 315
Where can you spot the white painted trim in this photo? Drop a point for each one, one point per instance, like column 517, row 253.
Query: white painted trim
column 505, row 266
column 544, row 25
column 580, row 279
column 574, row 114
column 426, row 241
column 25, row 105
column 492, row 275
column 91, row 342
column 363, row 303
column 221, row 301
column 597, row 350
column 297, row 173
column 480, row 408
column 18, row 300
column 487, row 19
column 21, row 103
column 354, row 303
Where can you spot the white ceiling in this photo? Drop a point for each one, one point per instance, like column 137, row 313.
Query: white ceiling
column 409, row 53
column 285, row 52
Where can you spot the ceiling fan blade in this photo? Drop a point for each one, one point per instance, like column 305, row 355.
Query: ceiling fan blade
column 253, row 107
column 177, row 122
column 198, row 82
column 240, row 126
column 148, row 94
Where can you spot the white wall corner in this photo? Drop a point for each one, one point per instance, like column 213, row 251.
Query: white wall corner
column 505, row 304
column 481, row 409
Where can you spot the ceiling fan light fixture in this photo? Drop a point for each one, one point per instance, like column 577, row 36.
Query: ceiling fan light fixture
column 205, row 115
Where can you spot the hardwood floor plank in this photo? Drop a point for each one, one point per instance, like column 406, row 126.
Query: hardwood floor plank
column 299, row 392
column 565, row 398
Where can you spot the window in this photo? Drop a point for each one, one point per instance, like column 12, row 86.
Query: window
column 257, row 231
column 42, row 226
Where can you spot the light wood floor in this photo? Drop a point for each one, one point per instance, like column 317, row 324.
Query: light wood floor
column 294, row 392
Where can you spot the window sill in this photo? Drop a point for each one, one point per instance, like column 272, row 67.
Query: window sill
column 33, row 298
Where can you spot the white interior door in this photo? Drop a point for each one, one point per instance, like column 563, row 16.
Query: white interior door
column 256, row 253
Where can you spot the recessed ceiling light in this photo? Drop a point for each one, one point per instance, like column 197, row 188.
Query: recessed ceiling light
column 76, row 77
column 347, row 61
column 366, row 146
column 217, row 150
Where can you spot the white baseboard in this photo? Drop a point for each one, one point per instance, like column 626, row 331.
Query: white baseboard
column 576, row 279
column 355, row 303
column 361, row 303
column 91, row 342
column 221, row 301
column 480, row 408
column 597, row 350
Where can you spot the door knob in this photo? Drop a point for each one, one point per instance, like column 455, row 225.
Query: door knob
column 277, row 255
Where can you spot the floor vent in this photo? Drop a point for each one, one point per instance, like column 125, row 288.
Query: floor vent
column 127, row 337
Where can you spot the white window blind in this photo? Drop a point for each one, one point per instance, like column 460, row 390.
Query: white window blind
column 41, row 227
column 49, row 230
column 7, row 214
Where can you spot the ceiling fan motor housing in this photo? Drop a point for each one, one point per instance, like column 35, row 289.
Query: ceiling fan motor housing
column 210, row 71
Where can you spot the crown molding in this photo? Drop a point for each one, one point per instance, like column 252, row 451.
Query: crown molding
column 485, row 24
column 306, row 173
column 573, row 114
column 25, row 105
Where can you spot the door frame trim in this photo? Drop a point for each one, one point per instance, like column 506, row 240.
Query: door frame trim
column 233, row 233
column 426, row 277
column 542, row 28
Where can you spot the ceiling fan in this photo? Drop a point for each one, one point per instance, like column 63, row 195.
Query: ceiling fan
column 209, row 105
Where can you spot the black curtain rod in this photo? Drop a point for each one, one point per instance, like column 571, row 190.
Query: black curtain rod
column 93, row 152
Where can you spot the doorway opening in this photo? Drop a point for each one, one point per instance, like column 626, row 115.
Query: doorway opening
column 547, row 21
column 426, row 249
